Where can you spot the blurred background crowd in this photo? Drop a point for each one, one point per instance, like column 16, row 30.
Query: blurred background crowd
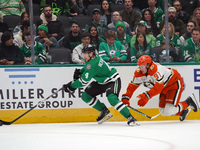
column 120, row 30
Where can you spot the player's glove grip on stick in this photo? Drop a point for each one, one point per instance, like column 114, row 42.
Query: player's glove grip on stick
column 125, row 100
column 67, row 87
column 143, row 99
column 77, row 74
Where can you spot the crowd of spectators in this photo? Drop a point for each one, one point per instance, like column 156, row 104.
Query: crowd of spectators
column 137, row 29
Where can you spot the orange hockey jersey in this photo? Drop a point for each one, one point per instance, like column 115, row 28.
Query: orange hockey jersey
column 157, row 79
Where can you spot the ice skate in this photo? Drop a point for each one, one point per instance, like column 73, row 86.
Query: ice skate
column 184, row 114
column 192, row 102
column 104, row 115
column 131, row 121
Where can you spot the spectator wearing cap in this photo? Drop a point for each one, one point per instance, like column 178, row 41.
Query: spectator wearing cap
column 142, row 27
column 180, row 14
column 117, row 18
column 9, row 53
column 44, row 39
column 178, row 24
column 18, row 41
column 122, row 36
column 73, row 38
column 102, row 28
column 55, row 26
column 131, row 16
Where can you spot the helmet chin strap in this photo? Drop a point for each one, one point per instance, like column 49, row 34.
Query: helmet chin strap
column 147, row 69
column 89, row 56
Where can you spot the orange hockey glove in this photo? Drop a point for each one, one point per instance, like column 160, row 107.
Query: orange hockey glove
column 125, row 99
column 143, row 99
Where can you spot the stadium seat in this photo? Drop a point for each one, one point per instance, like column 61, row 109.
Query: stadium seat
column 36, row 18
column 12, row 21
column 117, row 7
column 128, row 60
column 180, row 55
column 91, row 7
column 60, row 42
column 60, row 55
column 36, row 8
column 65, row 21
column 82, row 20
column 157, row 50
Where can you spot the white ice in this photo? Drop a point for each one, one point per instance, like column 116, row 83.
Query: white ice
column 150, row 135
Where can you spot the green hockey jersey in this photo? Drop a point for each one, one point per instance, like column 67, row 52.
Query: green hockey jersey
column 106, row 51
column 174, row 41
column 158, row 13
column 136, row 53
column 40, row 54
column 190, row 50
column 98, row 70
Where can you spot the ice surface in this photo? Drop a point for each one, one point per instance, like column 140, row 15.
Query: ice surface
column 151, row 135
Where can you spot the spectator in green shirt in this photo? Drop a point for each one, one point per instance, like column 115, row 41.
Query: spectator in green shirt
column 122, row 36
column 142, row 27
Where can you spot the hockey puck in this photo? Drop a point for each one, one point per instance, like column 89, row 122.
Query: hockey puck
column 1, row 123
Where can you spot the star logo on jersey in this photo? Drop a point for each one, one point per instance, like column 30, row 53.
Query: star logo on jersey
column 88, row 67
column 112, row 52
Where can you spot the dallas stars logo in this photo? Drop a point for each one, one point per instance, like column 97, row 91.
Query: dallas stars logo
column 112, row 52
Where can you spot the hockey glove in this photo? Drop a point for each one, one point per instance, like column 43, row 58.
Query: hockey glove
column 143, row 99
column 77, row 74
column 67, row 87
column 125, row 99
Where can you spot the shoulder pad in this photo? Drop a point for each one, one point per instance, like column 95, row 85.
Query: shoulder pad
column 152, row 69
column 138, row 70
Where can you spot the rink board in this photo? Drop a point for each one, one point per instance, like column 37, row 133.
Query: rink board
column 23, row 87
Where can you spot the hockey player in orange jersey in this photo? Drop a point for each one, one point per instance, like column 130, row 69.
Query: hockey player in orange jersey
column 164, row 81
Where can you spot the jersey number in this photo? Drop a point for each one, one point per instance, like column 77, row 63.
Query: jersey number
column 86, row 75
column 156, row 75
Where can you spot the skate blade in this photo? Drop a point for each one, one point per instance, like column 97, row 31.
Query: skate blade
column 195, row 101
column 134, row 124
column 108, row 116
column 189, row 110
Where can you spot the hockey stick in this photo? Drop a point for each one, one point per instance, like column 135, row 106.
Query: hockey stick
column 9, row 123
column 144, row 114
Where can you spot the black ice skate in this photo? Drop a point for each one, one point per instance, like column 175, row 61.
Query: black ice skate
column 192, row 102
column 131, row 121
column 184, row 114
column 104, row 115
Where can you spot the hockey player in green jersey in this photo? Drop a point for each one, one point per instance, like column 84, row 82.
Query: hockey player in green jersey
column 107, row 80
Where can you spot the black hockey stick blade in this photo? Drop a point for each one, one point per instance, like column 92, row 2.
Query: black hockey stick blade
column 9, row 123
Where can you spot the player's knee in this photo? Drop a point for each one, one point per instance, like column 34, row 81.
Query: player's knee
column 169, row 110
column 113, row 99
column 86, row 97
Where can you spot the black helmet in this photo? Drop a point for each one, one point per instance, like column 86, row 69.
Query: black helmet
column 88, row 48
